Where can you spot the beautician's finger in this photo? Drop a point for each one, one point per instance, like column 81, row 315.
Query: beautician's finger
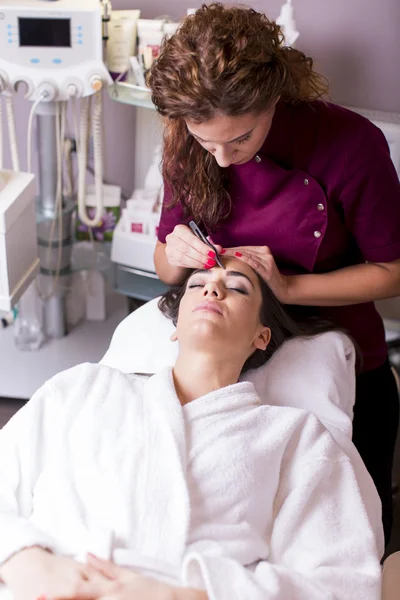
column 257, row 265
column 186, row 256
column 183, row 260
column 191, row 247
column 261, row 251
column 194, row 248
column 183, row 234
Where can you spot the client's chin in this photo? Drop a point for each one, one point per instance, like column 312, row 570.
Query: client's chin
column 205, row 330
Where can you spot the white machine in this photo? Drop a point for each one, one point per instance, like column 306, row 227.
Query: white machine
column 19, row 262
column 54, row 48
column 55, row 51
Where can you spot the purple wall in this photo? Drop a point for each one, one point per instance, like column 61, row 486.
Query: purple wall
column 355, row 43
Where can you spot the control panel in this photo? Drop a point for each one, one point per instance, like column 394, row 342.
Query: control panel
column 53, row 48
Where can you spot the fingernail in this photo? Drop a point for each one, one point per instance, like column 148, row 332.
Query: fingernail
column 238, row 254
column 211, row 254
column 223, row 251
column 210, row 264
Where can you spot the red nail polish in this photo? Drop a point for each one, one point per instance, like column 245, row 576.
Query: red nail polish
column 211, row 254
column 211, row 263
column 238, row 254
column 223, row 251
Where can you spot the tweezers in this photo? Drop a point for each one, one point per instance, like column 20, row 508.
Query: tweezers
column 197, row 231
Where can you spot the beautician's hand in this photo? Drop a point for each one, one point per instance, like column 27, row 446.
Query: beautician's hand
column 184, row 249
column 261, row 260
column 124, row 584
column 34, row 573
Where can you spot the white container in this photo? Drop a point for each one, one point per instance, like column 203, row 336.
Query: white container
column 154, row 223
column 150, row 37
column 134, row 250
column 146, row 198
column 135, row 221
column 19, row 262
column 170, row 29
column 122, row 30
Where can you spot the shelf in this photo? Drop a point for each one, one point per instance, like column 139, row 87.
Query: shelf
column 138, row 284
column 127, row 93
column 22, row 373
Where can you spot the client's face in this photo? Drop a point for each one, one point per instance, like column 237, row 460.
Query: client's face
column 220, row 310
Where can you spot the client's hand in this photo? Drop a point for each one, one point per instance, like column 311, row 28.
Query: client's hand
column 34, row 573
column 125, row 584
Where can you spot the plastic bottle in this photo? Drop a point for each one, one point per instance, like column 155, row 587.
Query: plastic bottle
column 28, row 326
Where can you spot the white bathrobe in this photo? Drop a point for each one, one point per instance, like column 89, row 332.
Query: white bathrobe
column 243, row 500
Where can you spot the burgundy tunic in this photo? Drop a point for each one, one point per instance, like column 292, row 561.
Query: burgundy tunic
column 325, row 195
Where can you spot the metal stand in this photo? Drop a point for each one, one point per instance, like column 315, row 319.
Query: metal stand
column 54, row 309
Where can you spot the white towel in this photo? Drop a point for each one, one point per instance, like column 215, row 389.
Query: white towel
column 316, row 374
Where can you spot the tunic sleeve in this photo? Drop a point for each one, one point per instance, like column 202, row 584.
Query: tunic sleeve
column 323, row 543
column 170, row 217
column 22, row 450
column 371, row 197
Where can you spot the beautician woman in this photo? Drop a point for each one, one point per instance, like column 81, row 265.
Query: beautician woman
column 301, row 190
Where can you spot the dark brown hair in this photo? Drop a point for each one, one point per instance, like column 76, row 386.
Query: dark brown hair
column 222, row 60
column 272, row 315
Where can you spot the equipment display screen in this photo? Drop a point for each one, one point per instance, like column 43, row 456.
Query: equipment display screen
column 44, row 32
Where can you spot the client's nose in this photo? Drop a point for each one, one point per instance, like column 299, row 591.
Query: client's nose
column 212, row 289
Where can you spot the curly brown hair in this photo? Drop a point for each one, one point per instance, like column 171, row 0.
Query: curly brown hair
column 222, row 60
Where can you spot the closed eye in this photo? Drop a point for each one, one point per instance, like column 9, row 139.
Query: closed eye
column 232, row 289
column 245, row 139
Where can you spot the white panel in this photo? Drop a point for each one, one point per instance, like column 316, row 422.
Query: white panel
column 148, row 137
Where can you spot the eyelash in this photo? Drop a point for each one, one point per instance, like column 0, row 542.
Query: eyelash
column 246, row 139
column 239, row 290
column 242, row 141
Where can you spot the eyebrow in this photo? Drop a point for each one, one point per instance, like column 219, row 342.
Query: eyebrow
column 230, row 142
column 228, row 273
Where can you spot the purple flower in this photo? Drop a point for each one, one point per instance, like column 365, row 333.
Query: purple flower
column 107, row 223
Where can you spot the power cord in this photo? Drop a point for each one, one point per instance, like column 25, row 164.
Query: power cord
column 83, row 159
column 42, row 96
column 12, row 133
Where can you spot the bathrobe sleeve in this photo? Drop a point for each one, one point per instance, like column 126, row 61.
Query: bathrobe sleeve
column 322, row 543
column 23, row 443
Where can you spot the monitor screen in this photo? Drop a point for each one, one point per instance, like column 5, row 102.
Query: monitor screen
column 44, row 32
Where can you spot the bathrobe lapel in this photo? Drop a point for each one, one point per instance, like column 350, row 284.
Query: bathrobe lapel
column 164, row 523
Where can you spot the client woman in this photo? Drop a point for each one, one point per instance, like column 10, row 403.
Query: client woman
column 185, row 478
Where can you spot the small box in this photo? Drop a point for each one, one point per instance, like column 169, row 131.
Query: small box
column 134, row 250
column 135, row 222
column 19, row 262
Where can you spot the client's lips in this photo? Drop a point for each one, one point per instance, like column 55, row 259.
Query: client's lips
column 211, row 306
